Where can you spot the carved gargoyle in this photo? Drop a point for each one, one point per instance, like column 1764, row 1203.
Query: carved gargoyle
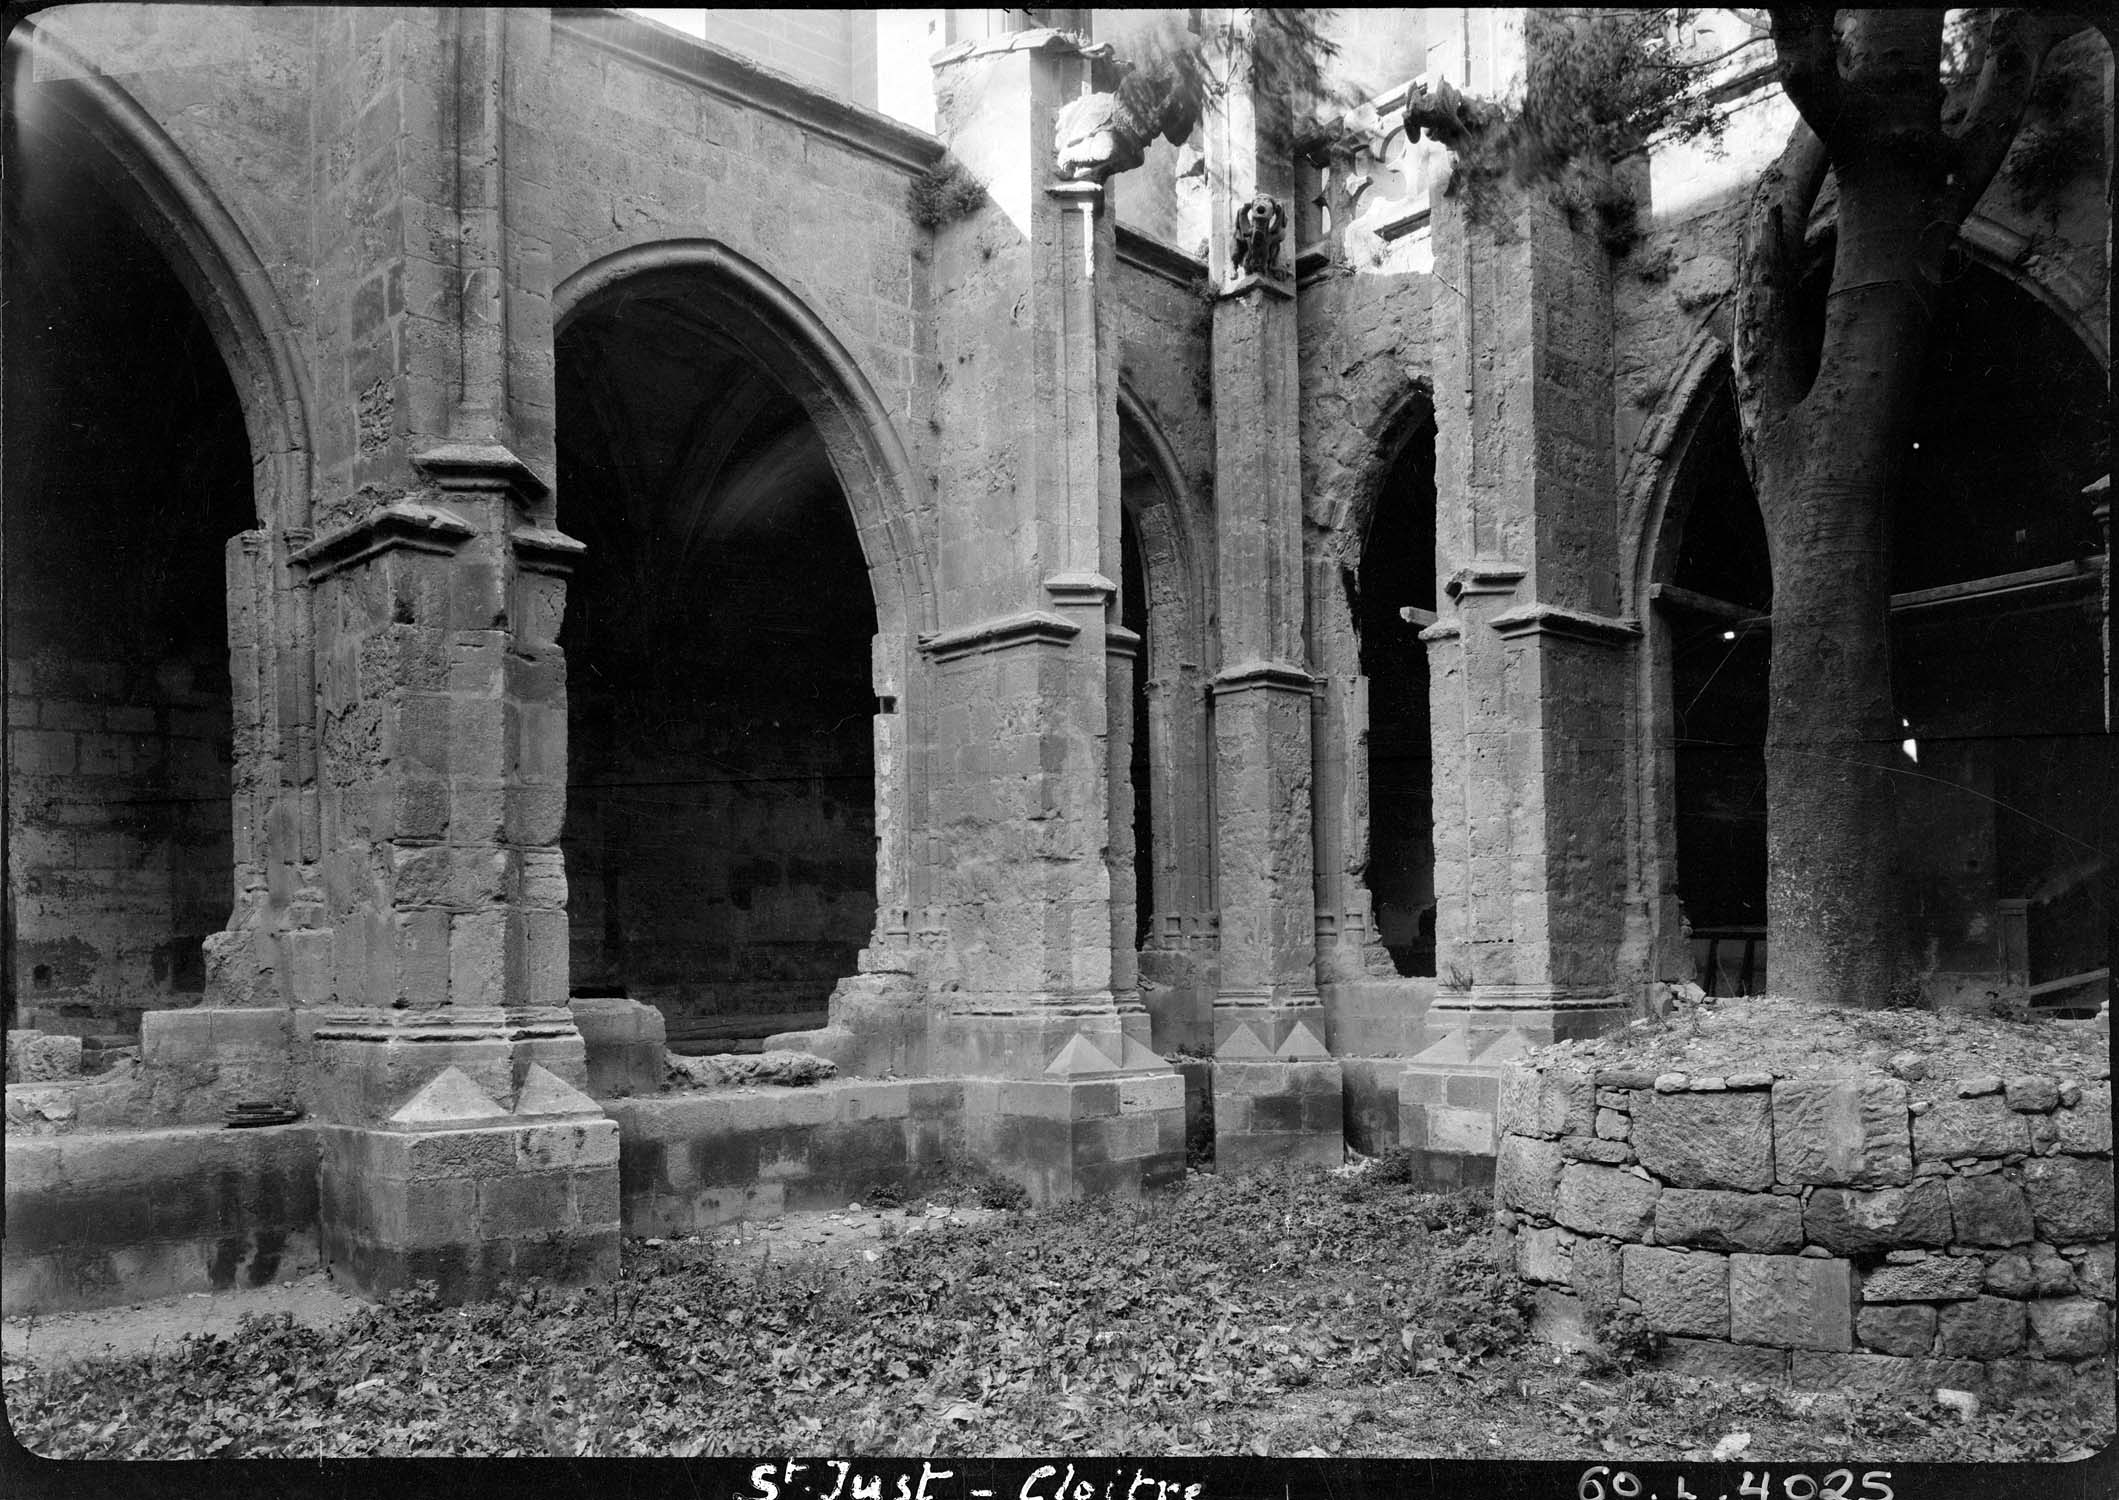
column 1099, row 134
column 1259, row 225
column 1446, row 115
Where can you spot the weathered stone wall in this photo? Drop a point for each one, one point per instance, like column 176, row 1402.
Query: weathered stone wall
column 1827, row 1231
column 638, row 138
column 94, row 1220
column 124, row 474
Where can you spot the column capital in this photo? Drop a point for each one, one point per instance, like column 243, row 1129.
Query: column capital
column 401, row 525
column 1269, row 676
column 481, row 467
column 1485, row 578
column 1567, row 624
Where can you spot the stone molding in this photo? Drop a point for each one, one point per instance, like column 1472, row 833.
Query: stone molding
column 1032, row 627
column 1035, row 39
column 1250, row 281
column 1263, row 676
column 456, row 1023
column 1079, row 590
column 1568, row 624
column 1144, row 252
column 544, row 551
column 480, row 468
column 1121, row 642
column 402, row 524
column 1088, row 195
column 1490, row 998
column 1484, row 578
column 752, row 85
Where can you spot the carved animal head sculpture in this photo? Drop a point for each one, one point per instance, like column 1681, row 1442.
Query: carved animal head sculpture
column 1094, row 137
column 1259, row 225
column 1100, row 134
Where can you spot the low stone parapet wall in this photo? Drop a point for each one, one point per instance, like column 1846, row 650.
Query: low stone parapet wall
column 689, row 1161
column 1850, row 1231
column 99, row 1219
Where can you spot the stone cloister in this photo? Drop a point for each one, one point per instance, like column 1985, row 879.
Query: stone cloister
column 526, row 546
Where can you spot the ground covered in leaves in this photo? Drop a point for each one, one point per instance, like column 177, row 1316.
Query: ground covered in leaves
column 1319, row 1314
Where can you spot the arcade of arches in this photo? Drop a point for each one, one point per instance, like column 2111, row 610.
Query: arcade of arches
column 529, row 547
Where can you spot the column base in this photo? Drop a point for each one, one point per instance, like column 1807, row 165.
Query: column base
column 623, row 1043
column 1118, row 1134
column 1060, row 1038
column 1449, row 1093
column 1277, row 1089
column 456, row 1190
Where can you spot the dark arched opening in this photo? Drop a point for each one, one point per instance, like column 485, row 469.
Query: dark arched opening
column 1997, row 658
column 1395, row 600
column 126, row 468
column 1716, row 602
column 1133, row 615
column 1997, row 669
column 720, row 834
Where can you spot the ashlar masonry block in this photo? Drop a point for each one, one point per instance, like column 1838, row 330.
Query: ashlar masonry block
column 1277, row 1110
column 461, row 1190
column 1791, row 1301
column 1706, row 1140
column 1842, row 1132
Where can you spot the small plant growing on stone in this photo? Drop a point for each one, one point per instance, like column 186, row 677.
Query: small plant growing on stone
column 999, row 1192
column 1600, row 84
column 1624, row 1341
column 944, row 193
column 1458, row 981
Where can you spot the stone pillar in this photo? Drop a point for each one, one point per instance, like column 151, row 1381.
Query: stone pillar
column 445, row 1067
column 1066, row 1093
column 1528, row 665
column 1276, row 1089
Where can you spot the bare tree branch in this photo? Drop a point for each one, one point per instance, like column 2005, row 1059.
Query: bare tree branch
column 1768, row 363
column 2015, row 51
column 1808, row 48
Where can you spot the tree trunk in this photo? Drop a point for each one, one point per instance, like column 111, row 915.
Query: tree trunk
column 1827, row 474
column 1827, row 451
column 1834, row 908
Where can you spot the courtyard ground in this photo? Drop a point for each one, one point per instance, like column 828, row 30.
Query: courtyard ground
column 1315, row 1314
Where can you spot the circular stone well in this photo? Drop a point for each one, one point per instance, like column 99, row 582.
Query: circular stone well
column 1823, row 1198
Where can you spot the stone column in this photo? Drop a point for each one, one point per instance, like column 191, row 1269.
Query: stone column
column 1529, row 667
column 446, row 1069
column 1276, row 1090
column 1065, row 1092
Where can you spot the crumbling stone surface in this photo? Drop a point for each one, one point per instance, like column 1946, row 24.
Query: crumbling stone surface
column 1970, row 1127
column 1864, row 1246
column 738, row 1069
column 1527, row 1174
column 1989, row 1210
column 1711, row 1220
column 1850, row 1222
column 1896, row 1328
column 1678, row 1293
column 1605, row 1201
column 1848, row 1131
column 1982, row 1328
column 1791, row 1300
column 1937, row 1279
column 1712, row 1140
column 33, row 1057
